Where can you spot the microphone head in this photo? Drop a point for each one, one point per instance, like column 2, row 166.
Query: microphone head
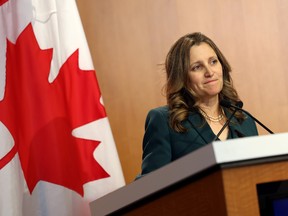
column 239, row 104
column 228, row 104
column 225, row 103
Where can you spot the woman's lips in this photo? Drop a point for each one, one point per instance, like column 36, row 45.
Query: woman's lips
column 210, row 81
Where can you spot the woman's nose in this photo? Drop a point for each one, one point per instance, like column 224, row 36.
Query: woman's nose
column 209, row 72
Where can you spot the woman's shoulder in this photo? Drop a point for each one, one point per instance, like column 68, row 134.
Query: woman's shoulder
column 158, row 112
column 161, row 109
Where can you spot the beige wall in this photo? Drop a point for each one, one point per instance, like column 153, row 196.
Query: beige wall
column 129, row 39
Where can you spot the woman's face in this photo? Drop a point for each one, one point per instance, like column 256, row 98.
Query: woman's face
column 205, row 74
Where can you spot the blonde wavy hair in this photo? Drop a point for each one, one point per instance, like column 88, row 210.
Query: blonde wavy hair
column 179, row 98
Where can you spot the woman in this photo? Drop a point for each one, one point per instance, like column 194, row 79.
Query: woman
column 198, row 78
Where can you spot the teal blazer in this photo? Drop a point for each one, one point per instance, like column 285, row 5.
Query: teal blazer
column 162, row 145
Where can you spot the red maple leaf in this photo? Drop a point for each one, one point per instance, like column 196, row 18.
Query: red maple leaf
column 41, row 116
column 2, row 2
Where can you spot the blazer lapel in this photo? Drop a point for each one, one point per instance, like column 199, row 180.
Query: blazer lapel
column 234, row 126
column 201, row 127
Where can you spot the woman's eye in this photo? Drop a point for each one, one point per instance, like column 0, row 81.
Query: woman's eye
column 214, row 61
column 196, row 67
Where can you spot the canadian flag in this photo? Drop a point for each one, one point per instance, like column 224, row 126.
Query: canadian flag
column 57, row 151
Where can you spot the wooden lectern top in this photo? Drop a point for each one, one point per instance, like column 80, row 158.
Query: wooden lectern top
column 235, row 152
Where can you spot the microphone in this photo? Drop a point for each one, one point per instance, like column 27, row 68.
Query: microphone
column 228, row 104
column 239, row 105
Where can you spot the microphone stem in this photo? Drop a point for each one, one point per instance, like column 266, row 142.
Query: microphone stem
column 260, row 123
column 225, row 125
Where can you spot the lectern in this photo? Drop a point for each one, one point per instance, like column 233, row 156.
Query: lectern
column 243, row 177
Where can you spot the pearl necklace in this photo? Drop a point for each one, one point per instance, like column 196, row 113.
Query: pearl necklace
column 211, row 118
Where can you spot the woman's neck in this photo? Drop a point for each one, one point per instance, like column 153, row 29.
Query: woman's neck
column 211, row 107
